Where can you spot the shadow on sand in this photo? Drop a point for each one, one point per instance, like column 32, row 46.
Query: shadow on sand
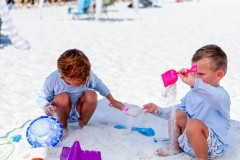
column 115, row 19
column 105, row 19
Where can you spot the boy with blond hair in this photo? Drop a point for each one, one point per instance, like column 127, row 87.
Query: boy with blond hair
column 202, row 119
column 69, row 92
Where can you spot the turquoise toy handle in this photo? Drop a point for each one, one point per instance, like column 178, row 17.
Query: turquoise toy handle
column 144, row 131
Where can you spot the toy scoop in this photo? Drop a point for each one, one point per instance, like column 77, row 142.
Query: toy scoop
column 130, row 111
column 145, row 131
column 171, row 76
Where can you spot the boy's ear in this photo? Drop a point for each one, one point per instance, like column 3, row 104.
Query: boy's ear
column 62, row 78
column 220, row 74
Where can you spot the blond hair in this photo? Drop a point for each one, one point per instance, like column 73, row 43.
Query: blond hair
column 218, row 58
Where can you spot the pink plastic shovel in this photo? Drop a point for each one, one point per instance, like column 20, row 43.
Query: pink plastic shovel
column 171, row 76
column 130, row 111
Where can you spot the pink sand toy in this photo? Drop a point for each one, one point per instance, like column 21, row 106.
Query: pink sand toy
column 76, row 153
column 134, row 112
column 171, row 76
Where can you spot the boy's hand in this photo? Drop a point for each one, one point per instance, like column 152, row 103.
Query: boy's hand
column 49, row 109
column 117, row 104
column 150, row 108
column 187, row 78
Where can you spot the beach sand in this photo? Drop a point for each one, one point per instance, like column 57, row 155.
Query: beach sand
column 128, row 52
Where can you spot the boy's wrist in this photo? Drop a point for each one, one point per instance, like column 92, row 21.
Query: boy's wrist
column 46, row 106
column 192, row 83
column 110, row 98
column 158, row 109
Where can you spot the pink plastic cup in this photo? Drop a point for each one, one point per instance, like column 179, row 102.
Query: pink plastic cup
column 171, row 76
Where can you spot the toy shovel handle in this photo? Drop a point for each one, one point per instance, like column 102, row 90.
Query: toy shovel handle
column 194, row 69
column 145, row 131
column 137, row 129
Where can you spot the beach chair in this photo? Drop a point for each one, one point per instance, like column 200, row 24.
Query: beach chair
column 82, row 8
column 106, row 4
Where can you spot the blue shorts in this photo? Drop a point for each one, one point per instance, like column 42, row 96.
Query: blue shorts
column 73, row 115
column 215, row 147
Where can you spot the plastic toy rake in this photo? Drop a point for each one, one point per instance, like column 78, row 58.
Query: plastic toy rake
column 6, row 148
column 171, row 76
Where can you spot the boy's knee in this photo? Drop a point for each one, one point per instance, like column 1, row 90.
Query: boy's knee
column 196, row 126
column 180, row 116
column 62, row 99
column 193, row 125
column 90, row 96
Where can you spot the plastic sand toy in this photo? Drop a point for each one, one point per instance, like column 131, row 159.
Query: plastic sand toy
column 76, row 153
column 171, row 76
column 44, row 131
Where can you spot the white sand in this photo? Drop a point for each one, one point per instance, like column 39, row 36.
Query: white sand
column 129, row 55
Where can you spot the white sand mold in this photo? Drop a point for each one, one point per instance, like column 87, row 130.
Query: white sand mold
column 134, row 111
column 130, row 111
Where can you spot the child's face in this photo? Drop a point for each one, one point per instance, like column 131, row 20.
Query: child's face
column 206, row 74
column 73, row 82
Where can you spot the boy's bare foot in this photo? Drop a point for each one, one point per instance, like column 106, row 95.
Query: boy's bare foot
column 82, row 123
column 167, row 152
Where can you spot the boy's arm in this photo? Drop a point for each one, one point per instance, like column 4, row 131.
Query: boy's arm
column 96, row 84
column 164, row 112
column 157, row 111
column 46, row 94
column 114, row 102
column 216, row 96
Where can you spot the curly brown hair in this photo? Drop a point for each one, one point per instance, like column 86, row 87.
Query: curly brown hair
column 218, row 58
column 74, row 64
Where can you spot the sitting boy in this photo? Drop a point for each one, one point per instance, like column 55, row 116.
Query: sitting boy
column 202, row 119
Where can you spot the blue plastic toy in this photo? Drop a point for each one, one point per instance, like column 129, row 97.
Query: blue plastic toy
column 145, row 131
column 16, row 138
column 44, row 131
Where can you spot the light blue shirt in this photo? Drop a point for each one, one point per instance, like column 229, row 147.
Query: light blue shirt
column 209, row 104
column 54, row 85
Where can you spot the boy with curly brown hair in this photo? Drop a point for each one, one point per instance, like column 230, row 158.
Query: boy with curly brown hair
column 69, row 92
